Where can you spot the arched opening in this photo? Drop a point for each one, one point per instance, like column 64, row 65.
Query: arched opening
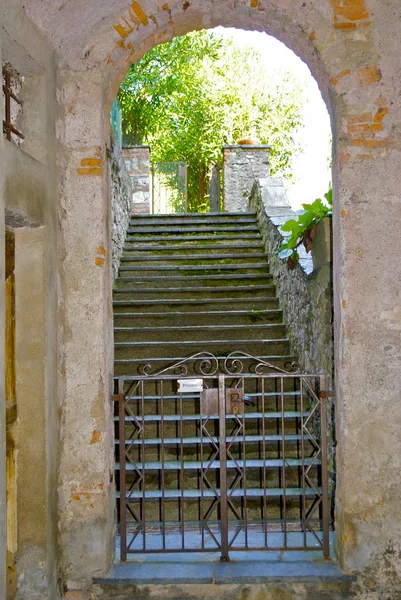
column 158, row 511
column 126, row 51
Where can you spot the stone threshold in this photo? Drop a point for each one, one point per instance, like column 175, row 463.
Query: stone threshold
column 244, row 567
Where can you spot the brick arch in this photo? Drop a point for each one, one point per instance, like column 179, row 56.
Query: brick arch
column 343, row 47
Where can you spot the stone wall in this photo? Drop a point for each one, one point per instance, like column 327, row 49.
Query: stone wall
column 305, row 294
column 137, row 160
column 242, row 164
column 121, row 201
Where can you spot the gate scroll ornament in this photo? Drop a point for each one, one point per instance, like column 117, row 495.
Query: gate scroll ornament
column 222, row 454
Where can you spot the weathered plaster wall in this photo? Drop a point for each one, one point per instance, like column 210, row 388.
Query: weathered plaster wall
column 3, row 456
column 137, row 160
column 28, row 189
column 241, row 166
column 353, row 51
column 121, row 201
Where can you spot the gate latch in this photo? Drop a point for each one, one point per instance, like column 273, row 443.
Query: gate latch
column 235, row 402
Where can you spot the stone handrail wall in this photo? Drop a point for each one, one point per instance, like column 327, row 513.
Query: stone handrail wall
column 305, row 294
column 121, row 201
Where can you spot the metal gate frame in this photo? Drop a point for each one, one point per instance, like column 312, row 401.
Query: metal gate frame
column 238, row 367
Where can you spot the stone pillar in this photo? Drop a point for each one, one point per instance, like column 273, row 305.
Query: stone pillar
column 243, row 164
column 137, row 160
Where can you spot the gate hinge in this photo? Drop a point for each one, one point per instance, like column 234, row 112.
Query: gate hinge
column 327, row 394
column 117, row 397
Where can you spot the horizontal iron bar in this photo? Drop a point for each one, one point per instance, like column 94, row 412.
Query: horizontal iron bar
column 254, row 415
column 195, row 465
column 195, row 396
column 237, row 493
column 197, row 440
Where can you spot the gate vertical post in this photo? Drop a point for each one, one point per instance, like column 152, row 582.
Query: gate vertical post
column 121, row 435
column 223, row 470
column 325, row 490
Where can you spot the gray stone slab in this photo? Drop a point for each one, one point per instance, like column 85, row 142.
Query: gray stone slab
column 157, row 573
column 283, row 572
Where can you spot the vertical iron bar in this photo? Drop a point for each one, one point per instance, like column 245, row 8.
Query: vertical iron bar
column 223, row 471
column 301, row 388
column 244, row 469
column 284, row 482
column 202, row 508
column 325, row 497
column 121, row 435
column 7, row 99
column 264, row 462
column 163, row 507
column 143, row 466
column 182, row 515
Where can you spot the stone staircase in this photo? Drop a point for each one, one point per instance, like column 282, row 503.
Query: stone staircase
column 191, row 283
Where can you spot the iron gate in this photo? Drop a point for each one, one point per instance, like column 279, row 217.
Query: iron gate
column 169, row 188
column 222, row 454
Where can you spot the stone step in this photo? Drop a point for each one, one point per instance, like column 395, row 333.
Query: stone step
column 190, row 215
column 129, row 350
column 193, row 229
column 203, row 269
column 195, row 305
column 202, row 333
column 184, row 281
column 190, row 220
column 193, row 248
column 212, row 238
column 193, row 260
column 231, row 292
column 271, row 575
column 180, row 318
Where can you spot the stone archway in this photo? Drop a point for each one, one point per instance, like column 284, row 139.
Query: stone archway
column 346, row 51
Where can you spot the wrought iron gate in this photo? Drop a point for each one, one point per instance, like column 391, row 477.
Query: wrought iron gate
column 222, row 454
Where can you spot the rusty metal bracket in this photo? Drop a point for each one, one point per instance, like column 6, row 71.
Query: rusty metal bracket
column 8, row 127
column 327, row 394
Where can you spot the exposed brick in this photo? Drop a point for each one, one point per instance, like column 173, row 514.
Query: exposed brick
column 369, row 75
column 91, row 162
column 344, row 26
column 358, row 128
column 364, row 118
column 90, row 171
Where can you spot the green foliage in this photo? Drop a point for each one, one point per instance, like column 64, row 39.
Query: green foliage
column 189, row 97
column 302, row 230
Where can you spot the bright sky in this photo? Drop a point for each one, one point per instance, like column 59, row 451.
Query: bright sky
column 312, row 166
